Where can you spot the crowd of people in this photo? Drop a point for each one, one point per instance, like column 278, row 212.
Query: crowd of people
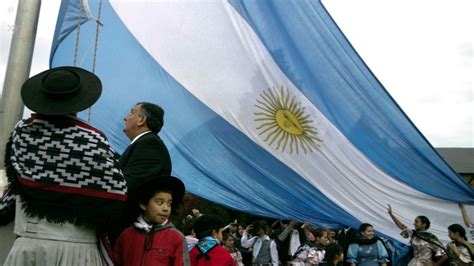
column 76, row 202
column 293, row 243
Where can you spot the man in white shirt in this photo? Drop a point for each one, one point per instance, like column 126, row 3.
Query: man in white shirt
column 264, row 249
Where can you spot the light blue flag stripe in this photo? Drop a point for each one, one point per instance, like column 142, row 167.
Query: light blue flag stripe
column 215, row 160
column 313, row 53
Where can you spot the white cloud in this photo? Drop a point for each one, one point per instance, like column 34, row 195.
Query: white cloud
column 422, row 52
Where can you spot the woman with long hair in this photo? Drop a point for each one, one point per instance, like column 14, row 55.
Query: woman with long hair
column 459, row 250
column 368, row 250
column 427, row 249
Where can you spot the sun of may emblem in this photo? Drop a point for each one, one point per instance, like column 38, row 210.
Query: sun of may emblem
column 283, row 122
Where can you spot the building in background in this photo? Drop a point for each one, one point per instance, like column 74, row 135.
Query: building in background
column 461, row 160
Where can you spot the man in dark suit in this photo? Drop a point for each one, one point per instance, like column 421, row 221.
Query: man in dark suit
column 147, row 156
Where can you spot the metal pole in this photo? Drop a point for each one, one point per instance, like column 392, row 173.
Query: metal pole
column 18, row 69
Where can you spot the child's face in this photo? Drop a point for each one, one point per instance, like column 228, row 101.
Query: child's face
column 229, row 242
column 261, row 232
column 419, row 225
column 454, row 235
column 158, row 208
column 217, row 234
column 323, row 240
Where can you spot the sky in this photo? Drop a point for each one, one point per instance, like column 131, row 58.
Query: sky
column 422, row 51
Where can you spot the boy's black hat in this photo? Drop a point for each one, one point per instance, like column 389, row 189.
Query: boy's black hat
column 207, row 222
column 162, row 183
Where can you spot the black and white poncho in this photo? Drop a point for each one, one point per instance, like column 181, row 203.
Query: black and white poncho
column 65, row 170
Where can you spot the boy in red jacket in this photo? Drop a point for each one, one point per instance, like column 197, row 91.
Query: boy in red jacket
column 153, row 240
column 208, row 251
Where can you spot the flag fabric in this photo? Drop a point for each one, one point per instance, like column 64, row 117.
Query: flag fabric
column 268, row 109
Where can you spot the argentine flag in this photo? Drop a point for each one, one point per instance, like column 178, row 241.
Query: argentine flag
column 268, row 109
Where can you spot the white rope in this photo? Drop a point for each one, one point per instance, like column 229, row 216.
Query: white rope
column 84, row 5
column 78, row 32
column 97, row 29
column 83, row 58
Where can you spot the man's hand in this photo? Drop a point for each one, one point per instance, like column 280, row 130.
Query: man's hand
column 292, row 224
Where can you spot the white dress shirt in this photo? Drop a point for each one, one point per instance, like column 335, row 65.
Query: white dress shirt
column 137, row 137
column 256, row 243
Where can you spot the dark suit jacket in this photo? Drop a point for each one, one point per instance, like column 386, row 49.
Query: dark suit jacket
column 145, row 159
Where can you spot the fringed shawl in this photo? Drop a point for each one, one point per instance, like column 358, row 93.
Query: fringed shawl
column 65, row 171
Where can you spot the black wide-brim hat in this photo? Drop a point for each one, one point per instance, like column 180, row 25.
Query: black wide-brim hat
column 163, row 183
column 61, row 90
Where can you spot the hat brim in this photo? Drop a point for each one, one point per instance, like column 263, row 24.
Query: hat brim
column 37, row 101
column 165, row 183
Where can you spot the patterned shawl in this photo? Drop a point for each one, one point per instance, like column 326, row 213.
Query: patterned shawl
column 65, row 171
column 428, row 237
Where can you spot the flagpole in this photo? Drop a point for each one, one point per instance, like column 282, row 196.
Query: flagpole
column 18, row 70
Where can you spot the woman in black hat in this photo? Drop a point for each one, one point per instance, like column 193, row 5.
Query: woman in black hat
column 63, row 171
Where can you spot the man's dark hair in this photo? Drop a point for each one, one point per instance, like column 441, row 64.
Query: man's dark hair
column 425, row 221
column 260, row 224
column 154, row 115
